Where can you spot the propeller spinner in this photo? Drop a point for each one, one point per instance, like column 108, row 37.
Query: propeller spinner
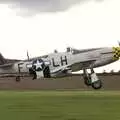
column 116, row 52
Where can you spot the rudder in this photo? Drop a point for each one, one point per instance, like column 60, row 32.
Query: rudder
column 2, row 59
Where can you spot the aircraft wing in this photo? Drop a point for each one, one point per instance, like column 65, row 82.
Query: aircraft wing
column 68, row 69
column 80, row 65
column 60, row 69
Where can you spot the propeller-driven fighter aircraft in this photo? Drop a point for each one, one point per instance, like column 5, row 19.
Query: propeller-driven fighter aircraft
column 61, row 64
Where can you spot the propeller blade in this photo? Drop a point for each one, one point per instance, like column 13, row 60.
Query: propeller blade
column 118, row 42
column 116, row 51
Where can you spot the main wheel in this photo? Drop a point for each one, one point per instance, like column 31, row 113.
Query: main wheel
column 87, row 81
column 97, row 84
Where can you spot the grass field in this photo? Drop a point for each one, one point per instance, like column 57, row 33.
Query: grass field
column 59, row 105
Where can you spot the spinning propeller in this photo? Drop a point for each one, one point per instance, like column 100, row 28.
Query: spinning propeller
column 116, row 52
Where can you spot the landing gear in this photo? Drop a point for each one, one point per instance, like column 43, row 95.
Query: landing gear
column 87, row 79
column 92, row 79
column 97, row 84
column 17, row 78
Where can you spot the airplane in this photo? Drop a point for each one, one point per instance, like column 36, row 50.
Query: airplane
column 61, row 64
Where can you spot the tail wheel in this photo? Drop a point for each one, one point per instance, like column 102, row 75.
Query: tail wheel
column 18, row 78
column 97, row 84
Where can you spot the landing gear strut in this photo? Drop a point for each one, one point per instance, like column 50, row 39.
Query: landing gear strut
column 87, row 78
column 92, row 79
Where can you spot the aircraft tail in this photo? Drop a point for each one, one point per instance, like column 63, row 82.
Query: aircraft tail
column 2, row 59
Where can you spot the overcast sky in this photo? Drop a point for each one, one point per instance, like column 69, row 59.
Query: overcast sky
column 44, row 25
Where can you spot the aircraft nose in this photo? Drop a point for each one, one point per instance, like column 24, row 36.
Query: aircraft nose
column 116, row 53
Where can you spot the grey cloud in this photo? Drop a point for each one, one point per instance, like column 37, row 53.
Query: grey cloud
column 32, row 7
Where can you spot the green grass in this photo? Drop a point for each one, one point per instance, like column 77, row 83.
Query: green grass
column 60, row 105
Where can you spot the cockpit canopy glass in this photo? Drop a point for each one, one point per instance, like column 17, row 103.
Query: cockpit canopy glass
column 76, row 51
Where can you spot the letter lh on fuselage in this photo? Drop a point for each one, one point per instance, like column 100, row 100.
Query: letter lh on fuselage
column 60, row 64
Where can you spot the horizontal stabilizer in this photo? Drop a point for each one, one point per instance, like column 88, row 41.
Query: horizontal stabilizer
column 6, row 65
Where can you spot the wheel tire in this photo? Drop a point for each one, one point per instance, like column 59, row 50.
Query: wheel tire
column 87, row 81
column 17, row 78
column 97, row 84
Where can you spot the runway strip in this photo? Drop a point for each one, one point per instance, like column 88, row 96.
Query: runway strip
column 110, row 82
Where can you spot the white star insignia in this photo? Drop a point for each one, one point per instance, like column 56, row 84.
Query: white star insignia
column 38, row 64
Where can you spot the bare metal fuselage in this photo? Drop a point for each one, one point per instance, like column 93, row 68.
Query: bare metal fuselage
column 76, row 59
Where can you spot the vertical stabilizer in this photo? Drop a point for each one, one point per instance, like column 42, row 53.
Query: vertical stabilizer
column 2, row 59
